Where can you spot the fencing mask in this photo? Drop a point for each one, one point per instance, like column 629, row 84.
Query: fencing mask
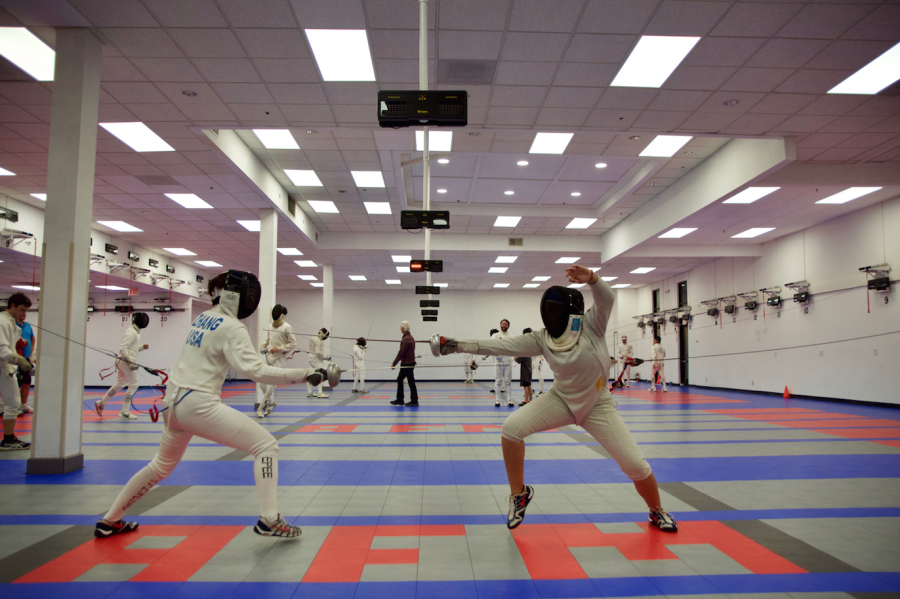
column 361, row 342
column 278, row 311
column 140, row 319
column 240, row 294
column 323, row 334
column 562, row 310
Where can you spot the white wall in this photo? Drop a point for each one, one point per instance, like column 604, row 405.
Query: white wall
column 828, row 256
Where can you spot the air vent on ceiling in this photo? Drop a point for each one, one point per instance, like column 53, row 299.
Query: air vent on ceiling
column 467, row 72
column 156, row 180
column 515, row 241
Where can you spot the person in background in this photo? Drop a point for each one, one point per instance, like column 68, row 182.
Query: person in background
column 525, row 374
column 470, row 366
column 538, row 365
column 126, row 365
column 317, row 359
column 626, row 352
column 25, row 347
column 407, row 359
column 9, row 360
column 659, row 366
column 503, row 369
column 359, row 365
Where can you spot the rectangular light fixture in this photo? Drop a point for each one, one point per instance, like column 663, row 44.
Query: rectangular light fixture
column 608, row 279
column 401, row 259
column 393, row 281
column 621, row 285
column 750, row 195
column 653, row 60
column 550, row 143
column 358, row 278
column 402, row 269
column 41, row 196
column 507, row 221
column 26, row 287
column 643, row 270
column 289, row 252
column 541, row 279
column 378, row 207
column 531, row 285
column 442, row 284
column 368, row 178
column 438, row 141
column 250, row 225
column 665, row 146
column 576, row 285
column 581, row 223
column 6, row 173
column 323, row 206
column 276, row 139
column 568, row 260
column 180, row 251
column 25, row 50
column 874, row 77
column 749, row 233
column 109, row 287
column 303, row 178
column 505, row 259
column 317, row 284
column 594, row 268
column 342, row 54
column 677, row 233
column 138, row 137
column 188, row 200
column 307, row 277
column 848, row 195
column 305, row 263
column 501, row 285
column 497, row 270
column 120, row 226
column 208, row 263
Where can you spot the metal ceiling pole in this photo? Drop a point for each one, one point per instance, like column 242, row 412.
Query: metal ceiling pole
column 426, row 162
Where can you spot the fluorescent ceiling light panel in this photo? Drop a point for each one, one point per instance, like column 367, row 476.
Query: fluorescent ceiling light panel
column 505, row 259
column 41, row 196
column 677, row 233
column 530, row 285
column 442, row 191
column 138, row 137
column 581, row 223
column 540, row 279
column 507, row 221
column 358, row 278
column 6, row 173
column 621, row 285
column 497, row 270
column 25, row 50
column 317, row 284
column 303, row 178
column 442, row 284
column 393, row 281
column 250, row 225
column 750, row 195
column 643, row 270
column 848, row 195
column 401, row 259
column 438, row 141
column 522, row 163
column 501, row 285
column 276, row 139
column 600, row 165
column 27, row 287
column 188, row 200
column 342, row 54
column 368, row 178
column 874, row 77
column 749, row 233
column 289, row 252
column 307, row 277
column 568, row 260
column 577, row 285
column 550, row 143
column 402, row 269
column 120, row 226
column 608, row 279
column 378, row 207
column 594, row 268
column 305, row 263
column 208, row 263
column 443, row 160
column 323, row 206
column 109, row 287
column 180, row 251
column 665, row 146
column 653, row 60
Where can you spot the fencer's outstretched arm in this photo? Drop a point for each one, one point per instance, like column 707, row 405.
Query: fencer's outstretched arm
column 523, row 345
column 604, row 298
column 242, row 357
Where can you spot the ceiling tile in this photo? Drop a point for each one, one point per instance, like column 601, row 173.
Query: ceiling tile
column 585, row 47
column 518, row 95
column 711, row 122
column 660, row 121
column 207, row 43
column 155, row 112
column 809, row 81
column 243, row 93
column 119, row 69
column 612, row 119
column 534, row 46
column 525, row 73
column 849, row 55
column 512, row 116
column 678, row 100
column 746, row 100
column 627, row 98
column 272, row 43
column 563, row 117
column 756, row 80
column 824, row 21
column 227, row 70
column 881, row 24
column 580, row 74
column 351, row 93
column 699, row 78
column 686, row 18
column 334, row 14
column 271, row 13
column 750, row 19
column 207, row 112
column 804, row 123
column 472, row 45
column 178, row 13
column 167, row 69
column 616, row 16
column 287, row 70
column 115, row 13
column 397, row 43
column 782, row 103
column 723, row 51
column 786, row 53
column 142, row 42
column 349, row 113
column 297, row 93
column 468, row 15
column 573, row 97
column 538, row 15
column 390, row 14
column 134, row 92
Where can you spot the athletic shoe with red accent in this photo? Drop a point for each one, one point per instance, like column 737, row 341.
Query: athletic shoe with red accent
column 98, row 407
column 517, row 505
column 663, row 521
column 107, row 529
column 278, row 528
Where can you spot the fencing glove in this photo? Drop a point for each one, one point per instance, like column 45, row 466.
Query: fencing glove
column 449, row 346
column 316, row 377
column 23, row 364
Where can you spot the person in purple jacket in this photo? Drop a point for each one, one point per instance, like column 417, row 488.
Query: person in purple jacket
column 407, row 358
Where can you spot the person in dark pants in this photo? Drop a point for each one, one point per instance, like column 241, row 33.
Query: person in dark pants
column 407, row 358
column 525, row 374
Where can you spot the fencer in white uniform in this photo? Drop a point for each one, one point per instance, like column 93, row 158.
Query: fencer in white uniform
column 503, row 366
column 538, row 363
column 659, row 365
column 192, row 405
column 17, row 304
column 574, row 344
column 626, row 351
column 126, row 365
column 359, row 365
column 317, row 359
column 469, row 366
column 279, row 344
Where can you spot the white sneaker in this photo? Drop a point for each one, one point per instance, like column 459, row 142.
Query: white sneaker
column 665, row 390
column 98, row 407
column 363, row 391
column 127, row 415
column 322, row 395
column 269, row 408
column 310, row 395
column 26, row 409
column 652, row 388
column 259, row 414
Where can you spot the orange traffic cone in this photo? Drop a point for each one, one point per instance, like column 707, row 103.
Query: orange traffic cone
column 786, row 394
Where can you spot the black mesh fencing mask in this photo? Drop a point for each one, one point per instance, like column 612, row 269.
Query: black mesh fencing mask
column 241, row 293
column 278, row 311
column 557, row 305
column 140, row 319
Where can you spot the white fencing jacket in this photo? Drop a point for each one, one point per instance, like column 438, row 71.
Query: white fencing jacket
column 9, row 335
column 659, row 354
column 505, row 360
column 625, row 350
column 131, row 344
column 580, row 374
column 359, row 356
column 280, row 337
column 316, row 352
column 217, row 341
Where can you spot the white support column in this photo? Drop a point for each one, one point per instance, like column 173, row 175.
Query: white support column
column 328, row 302
column 59, row 389
column 268, row 270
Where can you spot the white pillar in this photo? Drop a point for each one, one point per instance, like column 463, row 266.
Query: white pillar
column 59, row 388
column 268, row 271
column 328, row 302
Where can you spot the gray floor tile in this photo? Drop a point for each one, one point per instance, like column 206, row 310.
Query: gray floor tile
column 111, row 572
